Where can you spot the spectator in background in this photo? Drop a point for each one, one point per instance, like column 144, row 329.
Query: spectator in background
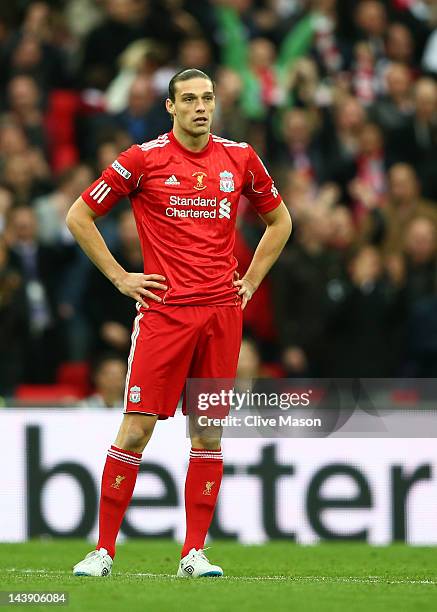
column 13, row 140
column 109, row 149
column 51, row 209
column 300, row 151
column 24, row 98
column 368, row 188
column 420, row 249
column 404, row 202
column 371, row 21
column 196, row 51
column 364, row 81
column 145, row 117
column 111, row 315
column 229, row 120
column 299, row 280
column 41, row 269
column 38, row 50
column 400, row 45
column 341, row 141
column 303, row 87
column 364, row 326
column 108, row 378
column 141, row 58
column 13, row 324
column 418, row 140
column 6, row 201
column 392, row 110
column 26, row 175
column 125, row 22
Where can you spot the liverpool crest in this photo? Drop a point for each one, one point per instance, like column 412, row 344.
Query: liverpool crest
column 135, row 395
column 226, row 181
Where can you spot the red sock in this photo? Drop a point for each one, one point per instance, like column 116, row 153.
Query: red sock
column 118, row 482
column 202, row 485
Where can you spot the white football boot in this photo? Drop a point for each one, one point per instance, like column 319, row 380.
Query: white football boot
column 196, row 565
column 96, row 563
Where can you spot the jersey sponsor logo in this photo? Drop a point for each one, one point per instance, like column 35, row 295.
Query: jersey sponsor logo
column 224, row 209
column 100, row 192
column 197, row 201
column 172, row 181
column 199, row 176
column 135, row 394
column 226, row 181
column 121, row 170
column 189, row 208
column 275, row 192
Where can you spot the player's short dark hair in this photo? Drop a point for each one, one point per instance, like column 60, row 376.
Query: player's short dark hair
column 186, row 75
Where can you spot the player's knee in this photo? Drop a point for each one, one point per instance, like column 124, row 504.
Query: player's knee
column 135, row 432
column 209, row 440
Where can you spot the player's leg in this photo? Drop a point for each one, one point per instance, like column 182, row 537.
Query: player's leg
column 158, row 364
column 216, row 357
column 118, row 483
column 120, row 475
column 204, row 476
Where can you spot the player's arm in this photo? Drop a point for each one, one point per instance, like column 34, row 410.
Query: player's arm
column 117, row 181
column 81, row 223
column 259, row 188
column 278, row 230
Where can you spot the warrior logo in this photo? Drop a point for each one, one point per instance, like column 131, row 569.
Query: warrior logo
column 199, row 178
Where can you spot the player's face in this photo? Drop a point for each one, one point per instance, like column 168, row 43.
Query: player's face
column 194, row 106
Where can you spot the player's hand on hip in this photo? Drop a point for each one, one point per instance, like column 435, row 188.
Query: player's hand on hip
column 245, row 290
column 138, row 286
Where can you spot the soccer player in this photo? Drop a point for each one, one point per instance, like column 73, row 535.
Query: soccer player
column 184, row 188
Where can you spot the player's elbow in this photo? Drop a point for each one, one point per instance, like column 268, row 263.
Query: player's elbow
column 77, row 216
column 285, row 222
column 288, row 225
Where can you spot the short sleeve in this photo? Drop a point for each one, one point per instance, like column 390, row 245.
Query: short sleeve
column 259, row 187
column 117, row 181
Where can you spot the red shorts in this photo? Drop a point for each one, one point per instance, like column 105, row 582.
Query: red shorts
column 173, row 343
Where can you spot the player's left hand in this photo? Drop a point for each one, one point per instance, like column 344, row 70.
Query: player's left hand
column 245, row 289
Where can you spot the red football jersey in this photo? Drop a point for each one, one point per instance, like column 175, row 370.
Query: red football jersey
column 185, row 206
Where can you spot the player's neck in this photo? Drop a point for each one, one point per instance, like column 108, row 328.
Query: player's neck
column 190, row 142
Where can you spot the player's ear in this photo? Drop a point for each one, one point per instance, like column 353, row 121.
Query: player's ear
column 169, row 105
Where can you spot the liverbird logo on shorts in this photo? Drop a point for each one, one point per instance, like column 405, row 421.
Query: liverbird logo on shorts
column 118, row 480
column 208, row 486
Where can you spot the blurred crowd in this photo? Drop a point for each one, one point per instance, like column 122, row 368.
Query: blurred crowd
column 339, row 98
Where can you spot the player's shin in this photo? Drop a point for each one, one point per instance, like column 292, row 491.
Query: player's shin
column 118, row 482
column 202, row 485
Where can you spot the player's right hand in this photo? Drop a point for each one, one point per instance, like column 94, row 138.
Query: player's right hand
column 136, row 285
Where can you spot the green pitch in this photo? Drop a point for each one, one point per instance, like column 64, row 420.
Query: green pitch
column 271, row 578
